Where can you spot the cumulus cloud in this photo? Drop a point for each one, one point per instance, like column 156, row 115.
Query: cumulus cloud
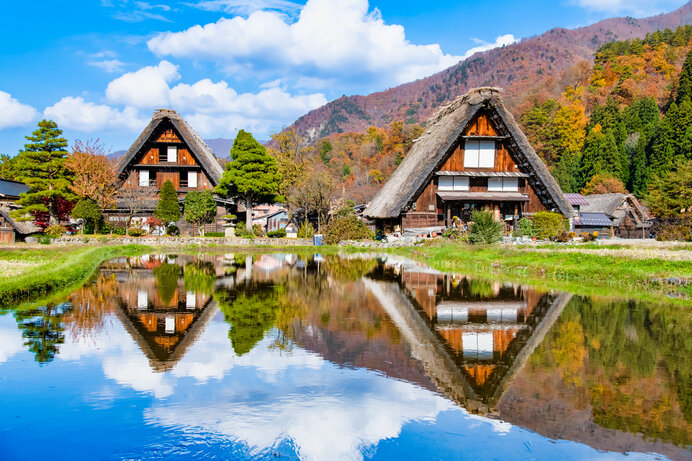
column 147, row 87
column 78, row 114
column 330, row 38
column 501, row 40
column 635, row 7
column 213, row 108
column 13, row 113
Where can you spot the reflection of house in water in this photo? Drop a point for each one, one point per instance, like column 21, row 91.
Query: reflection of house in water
column 472, row 336
column 160, row 306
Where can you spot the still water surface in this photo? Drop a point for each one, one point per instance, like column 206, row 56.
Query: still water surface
column 356, row 357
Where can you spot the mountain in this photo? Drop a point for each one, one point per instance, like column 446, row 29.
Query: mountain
column 542, row 65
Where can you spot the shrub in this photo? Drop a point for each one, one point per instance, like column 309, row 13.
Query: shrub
column 172, row 229
column 484, row 228
column 525, row 229
column 90, row 212
column 43, row 239
column 563, row 237
column 548, row 224
column 306, row 231
column 214, row 234
column 118, row 231
column 257, row 230
column 346, row 228
column 455, row 233
column 135, row 232
column 56, row 230
column 277, row 234
column 242, row 232
column 586, row 237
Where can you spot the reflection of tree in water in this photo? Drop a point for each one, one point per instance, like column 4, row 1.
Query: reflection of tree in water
column 250, row 316
column 348, row 270
column 43, row 329
column 199, row 277
column 630, row 361
column 90, row 305
column 167, row 280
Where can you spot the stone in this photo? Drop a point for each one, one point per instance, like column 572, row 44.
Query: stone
column 31, row 240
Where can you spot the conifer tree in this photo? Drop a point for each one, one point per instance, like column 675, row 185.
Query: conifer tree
column 168, row 208
column 251, row 176
column 685, row 82
column 41, row 166
column 566, row 172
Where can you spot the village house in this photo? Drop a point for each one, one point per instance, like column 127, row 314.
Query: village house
column 630, row 219
column 167, row 149
column 12, row 230
column 472, row 156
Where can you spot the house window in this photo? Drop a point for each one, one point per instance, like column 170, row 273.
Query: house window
column 142, row 300
column 452, row 183
column 144, row 178
column 192, row 179
column 479, row 154
column 172, row 154
column 503, row 185
column 190, row 300
column 170, row 324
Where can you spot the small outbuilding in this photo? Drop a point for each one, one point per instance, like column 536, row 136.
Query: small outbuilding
column 630, row 219
column 472, row 156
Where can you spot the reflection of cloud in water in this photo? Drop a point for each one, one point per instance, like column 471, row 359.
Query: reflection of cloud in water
column 11, row 341
column 333, row 414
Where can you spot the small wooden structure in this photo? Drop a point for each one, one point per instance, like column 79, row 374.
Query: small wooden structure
column 472, row 156
column 630, row 219
column 12, row 230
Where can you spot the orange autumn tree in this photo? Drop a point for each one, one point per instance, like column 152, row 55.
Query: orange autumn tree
column 94, row 173
column 603, row 184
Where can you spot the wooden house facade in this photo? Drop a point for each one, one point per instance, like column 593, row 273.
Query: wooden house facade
column 472, row 156
column 167, row 149
column 12, row 230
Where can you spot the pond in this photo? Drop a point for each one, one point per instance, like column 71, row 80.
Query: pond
column 315, row 357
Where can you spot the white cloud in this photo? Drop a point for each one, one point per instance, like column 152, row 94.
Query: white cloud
column 501, row 40
column 247, row 6
column 147, row 87
column 13, row 113
column 11, row 341
column 331, row 38
column 634, row 7
column 77, row 114
column 109, row 65
column 213, row 108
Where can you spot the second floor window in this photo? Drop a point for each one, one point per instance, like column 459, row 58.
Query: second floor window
column 479, row 154
column 172, row 154
column 144, row 178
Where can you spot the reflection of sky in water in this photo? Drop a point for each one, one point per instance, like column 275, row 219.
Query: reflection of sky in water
column 100, row 395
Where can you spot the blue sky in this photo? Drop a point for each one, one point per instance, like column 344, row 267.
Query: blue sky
column 100, row 67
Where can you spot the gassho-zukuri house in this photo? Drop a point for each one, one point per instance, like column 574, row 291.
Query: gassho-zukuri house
column 472, row 156
column 167, row 149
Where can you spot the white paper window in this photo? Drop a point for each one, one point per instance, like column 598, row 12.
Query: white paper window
column 461, row 183
column 479, row 154
column 170, row 324
column 486, row 154
column 191, row 179
column 510, row 184
column 172, row 154
column 191, row 300
column 446, row 183
column 142, row 300
column 144, row 178
column 471, row 154
column 494, row 184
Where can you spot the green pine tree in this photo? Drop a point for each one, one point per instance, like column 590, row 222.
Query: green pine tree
column 566, row 172
column 200, row 208
column 168, row 208
column 252, row 175
column 685, row 82
column 41, row 166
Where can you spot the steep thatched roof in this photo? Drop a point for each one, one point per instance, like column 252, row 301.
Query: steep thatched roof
column 199, row 148
column 613, row 205
column 23, row 227
column 443, row 132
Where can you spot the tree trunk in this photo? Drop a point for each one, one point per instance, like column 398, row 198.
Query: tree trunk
column 248, row 212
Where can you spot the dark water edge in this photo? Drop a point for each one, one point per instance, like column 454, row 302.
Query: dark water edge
column 266, row 355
